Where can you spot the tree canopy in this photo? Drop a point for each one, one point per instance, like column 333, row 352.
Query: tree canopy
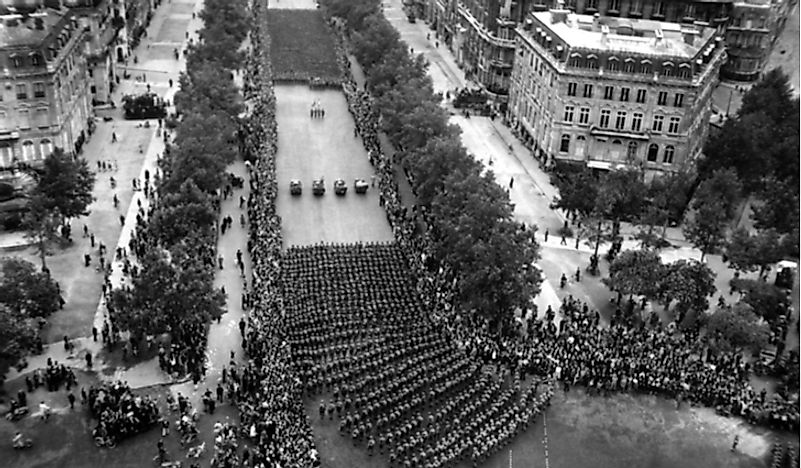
column 714, row 206
column 26, row 291
column 636, row 272
column 65, row 185
column 737, row 328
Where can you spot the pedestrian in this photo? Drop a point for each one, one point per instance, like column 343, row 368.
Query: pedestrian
column 563, row 241
column 220, row 392
column 578, row 239
column 220, row 259
column 563, row 281
column 113, row 137
column 372, row 180
column 92, row 239
column 115, row 200
column 71, row 399
column 122, row 220
column 546, row 235
column 242, row 326
column 511, row 183
column 87, row 259
column 89, row 360
column 85, row 230
column 578, row 274
column 94, row 334
column 45, row 411
column 735, row 442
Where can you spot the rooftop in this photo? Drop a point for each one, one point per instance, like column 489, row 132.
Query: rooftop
column 28, row 30
column 627, row 35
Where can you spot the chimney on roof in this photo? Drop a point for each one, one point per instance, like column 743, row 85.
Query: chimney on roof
column 658, row 36
column 604, row 34
column 596, row 21
column 689, row 35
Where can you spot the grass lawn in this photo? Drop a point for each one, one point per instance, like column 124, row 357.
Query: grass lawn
column 302, row 46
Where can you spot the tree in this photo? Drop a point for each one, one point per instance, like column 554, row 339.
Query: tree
column 578, row 190
column 432, row 163
column 65, row 185
column 17, row 335
column 27, row 292
column 180, row 214
column 688, row 282
column 491, row 255
column 376, row 39
column 41, row 225
column 167, row 292
column 767, row 300
column 636, row 272
column 713, row 207
column 749, row 252
column 737, row 328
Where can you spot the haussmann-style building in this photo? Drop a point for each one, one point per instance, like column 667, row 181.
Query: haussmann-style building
column 612, row 92
column 45, row 100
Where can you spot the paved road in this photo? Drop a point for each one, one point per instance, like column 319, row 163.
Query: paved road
column 312, row 148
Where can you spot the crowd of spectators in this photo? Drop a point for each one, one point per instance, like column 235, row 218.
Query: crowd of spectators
column 119, row 413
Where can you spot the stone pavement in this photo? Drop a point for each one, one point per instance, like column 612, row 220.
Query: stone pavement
column 312, row 148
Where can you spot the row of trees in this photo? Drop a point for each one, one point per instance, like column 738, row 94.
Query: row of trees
column 470, row 215
column 175, row 285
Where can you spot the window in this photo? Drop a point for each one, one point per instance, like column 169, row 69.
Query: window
column 564, row 146
column 592, row 5
column 684, row 72
column 568, row 114
column 667, row 70
column 614, row 5
column 571, row 89
column 42, row 117
column 16, row 62
column 584, row 115
column 620, row 120
column 39, row 90
column 46, row 147
column 624, row 94
column 592, row 63
column 587, row 90
column 635, row 7
column 689, row 10
column 658, row 121
column 645, row 69
column 609, row 92
column 636, row 121
column 662, row 99
column 22, row 91
column 629, row 67
column 667, row 158
column 678, row 100
column 673, row 126
column 613, row 65
column 27, row 150
column 24, row 118
column 641, row 96
column 605, row 114
column 36, row 60
column 631, row 150
column 653, row 152
column 659, row 9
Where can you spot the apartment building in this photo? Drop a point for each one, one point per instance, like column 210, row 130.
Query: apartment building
column 44, row 98
column 613, row 92
column 479, row 32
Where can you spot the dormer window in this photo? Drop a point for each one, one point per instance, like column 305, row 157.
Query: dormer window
column 16, row 61
column 613, row 64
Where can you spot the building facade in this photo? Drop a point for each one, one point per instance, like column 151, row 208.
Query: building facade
column 103, row 24
column 479, row 32
column 752, row 30
column 45, row 98
column 612, row 92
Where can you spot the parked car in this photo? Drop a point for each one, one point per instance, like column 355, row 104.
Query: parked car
column 318, row 187
column 295, row 187
column 340, row 188
column 360, row 185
